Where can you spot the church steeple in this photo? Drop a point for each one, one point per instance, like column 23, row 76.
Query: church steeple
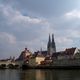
column 49, row 45
column 49, row 42
column 52, row 37
column 53, row 44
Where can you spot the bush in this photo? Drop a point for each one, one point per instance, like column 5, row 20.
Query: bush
column 3, row 66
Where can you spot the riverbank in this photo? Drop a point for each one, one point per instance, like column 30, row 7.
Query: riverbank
column 25, row 67
column 50, row 67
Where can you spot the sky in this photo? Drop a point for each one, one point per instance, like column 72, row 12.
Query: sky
column 28, row 23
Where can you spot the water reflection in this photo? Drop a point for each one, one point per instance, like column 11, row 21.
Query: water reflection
column 50, row 75
column 39, row 74
column 9, row 74
column 28, row 75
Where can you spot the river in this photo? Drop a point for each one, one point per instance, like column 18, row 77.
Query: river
column 37, row 74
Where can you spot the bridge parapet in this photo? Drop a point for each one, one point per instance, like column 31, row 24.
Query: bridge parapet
column 8, row 64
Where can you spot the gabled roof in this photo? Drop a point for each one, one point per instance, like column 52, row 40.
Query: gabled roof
column 70, row 51
column 24, row 54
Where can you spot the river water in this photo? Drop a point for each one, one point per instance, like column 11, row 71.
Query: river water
column 37, row 74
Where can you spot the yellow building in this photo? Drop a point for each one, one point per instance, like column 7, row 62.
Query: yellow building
column 34, row 61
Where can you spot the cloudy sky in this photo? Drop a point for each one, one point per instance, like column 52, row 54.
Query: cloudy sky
column 27, row 23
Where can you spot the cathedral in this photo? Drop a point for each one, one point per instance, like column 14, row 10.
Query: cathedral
column 51, row 47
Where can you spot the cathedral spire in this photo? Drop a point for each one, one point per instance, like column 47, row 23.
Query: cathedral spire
column 53, row 44
column 49, row 45
column 49, row 42
column 52, row 37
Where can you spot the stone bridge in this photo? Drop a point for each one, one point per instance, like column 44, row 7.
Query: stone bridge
column 8, row 64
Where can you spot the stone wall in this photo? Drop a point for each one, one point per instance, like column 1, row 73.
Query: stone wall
column 65, row 62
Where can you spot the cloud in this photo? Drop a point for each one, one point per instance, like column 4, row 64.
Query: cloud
column 15, row 15
column 29, row 25
column 73, row 14
column 74, row 33
column 18, row 31
column 8, row 45
column 7, row 38
column 64, row 40
column 66, row 29
column 41, row 8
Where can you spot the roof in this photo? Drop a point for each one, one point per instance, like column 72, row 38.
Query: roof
column 39, row 56
column 44, row 53
column 69, row 51
column 40, row 53
column 58, row 53
column 24, row 54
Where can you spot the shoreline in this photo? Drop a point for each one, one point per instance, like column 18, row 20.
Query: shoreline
column 25, row 67
column 50, row 67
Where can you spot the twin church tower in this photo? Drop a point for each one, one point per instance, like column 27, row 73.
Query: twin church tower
column 51, row 47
